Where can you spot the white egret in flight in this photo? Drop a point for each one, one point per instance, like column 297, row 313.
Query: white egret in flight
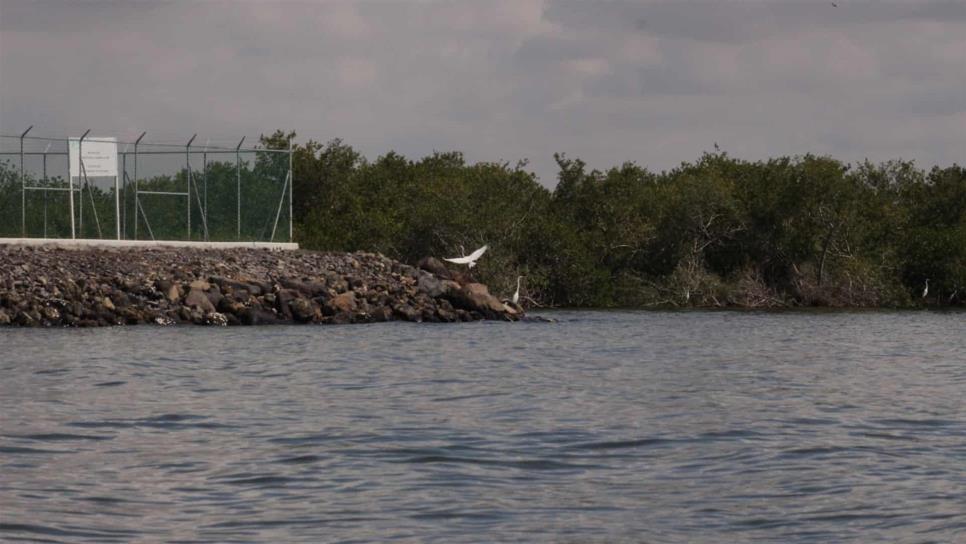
column 469, row 259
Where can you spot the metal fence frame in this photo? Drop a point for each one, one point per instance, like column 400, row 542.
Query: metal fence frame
column 123, row 182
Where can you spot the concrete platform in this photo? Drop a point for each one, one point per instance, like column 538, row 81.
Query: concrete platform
column 67, row 243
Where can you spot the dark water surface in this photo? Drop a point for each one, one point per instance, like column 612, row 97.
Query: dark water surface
column 603, row 427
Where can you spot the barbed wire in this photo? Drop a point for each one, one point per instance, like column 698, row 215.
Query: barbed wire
column 156, row 143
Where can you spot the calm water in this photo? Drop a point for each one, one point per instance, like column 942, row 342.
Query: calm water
column 603, row 427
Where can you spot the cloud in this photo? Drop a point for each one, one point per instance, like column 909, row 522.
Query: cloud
column 652, row 82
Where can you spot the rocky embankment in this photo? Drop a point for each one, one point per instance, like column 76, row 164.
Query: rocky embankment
column 51, row 287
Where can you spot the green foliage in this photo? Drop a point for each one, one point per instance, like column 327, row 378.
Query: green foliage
column 788, row 231
column 721, row 231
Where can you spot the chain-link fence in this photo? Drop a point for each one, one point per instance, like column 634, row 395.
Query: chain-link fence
column 162, row 191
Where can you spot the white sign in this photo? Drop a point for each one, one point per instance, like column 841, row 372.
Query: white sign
column 100, row 157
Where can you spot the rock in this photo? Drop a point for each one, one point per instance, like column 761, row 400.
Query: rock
column 346, row 302
column 24, row 319
column 199, row 300
column 257, row 316
column 11, row 298
column 197, row 317
column 227, row 284
column 201, row 285
column 259, row 287
column 435, row 267
column 305, row 311
column 406, row 312
column 173, row 292
column 446, row 315
column 240, row 295
column 131, row 316
column 214, row 296
column 221, row 281
column 315, row 288
column 283, row 299
column 450, row 286
column 216, row 319
column 121, row 299
column 50, row 314
column 98, row 287
column 229, row 306
column 538, row 319
column 293, row 284
column 380, row 314
column 476, row 297
column 430, row 285
column 341, row 318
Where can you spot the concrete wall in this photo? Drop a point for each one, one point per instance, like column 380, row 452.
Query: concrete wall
column 84, row 243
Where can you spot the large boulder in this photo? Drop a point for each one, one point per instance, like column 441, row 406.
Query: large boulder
column 200, row 285
column 197, row 299
column 407, row 312
column 345, row 302
column 172, row 292
column 476, row 297
column 283, row 300
column 435, row 267
column 258, row 316
column 305, row 311
column 431, row 285
column 214, row 295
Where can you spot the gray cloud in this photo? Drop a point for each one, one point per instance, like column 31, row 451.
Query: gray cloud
column 651, row 82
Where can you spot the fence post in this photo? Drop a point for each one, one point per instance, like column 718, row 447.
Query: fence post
column 137, row 202
column 204, row 182
column 90, row 193
column 45, row 189
column 117, row 198
column 23, row 188
column 124, row 190
column 238, row 184
column 82, row 178
column 70, row 192
column 187, row 159
column 291, row 187
column 80, row 200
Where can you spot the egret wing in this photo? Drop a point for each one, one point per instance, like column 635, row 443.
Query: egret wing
column 478, row 253
column 459, row 260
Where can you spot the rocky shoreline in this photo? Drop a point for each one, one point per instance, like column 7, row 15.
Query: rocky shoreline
column 54, row 287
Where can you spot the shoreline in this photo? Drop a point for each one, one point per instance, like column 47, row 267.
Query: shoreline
column 87, row 287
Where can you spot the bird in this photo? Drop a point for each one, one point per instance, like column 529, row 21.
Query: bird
column 469, row 259
column 925, row 291
column 516, row 294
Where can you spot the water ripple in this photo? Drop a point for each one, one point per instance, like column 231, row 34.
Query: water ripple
column 604, row 426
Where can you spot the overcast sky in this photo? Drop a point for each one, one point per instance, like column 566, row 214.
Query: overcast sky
column 655, row 83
